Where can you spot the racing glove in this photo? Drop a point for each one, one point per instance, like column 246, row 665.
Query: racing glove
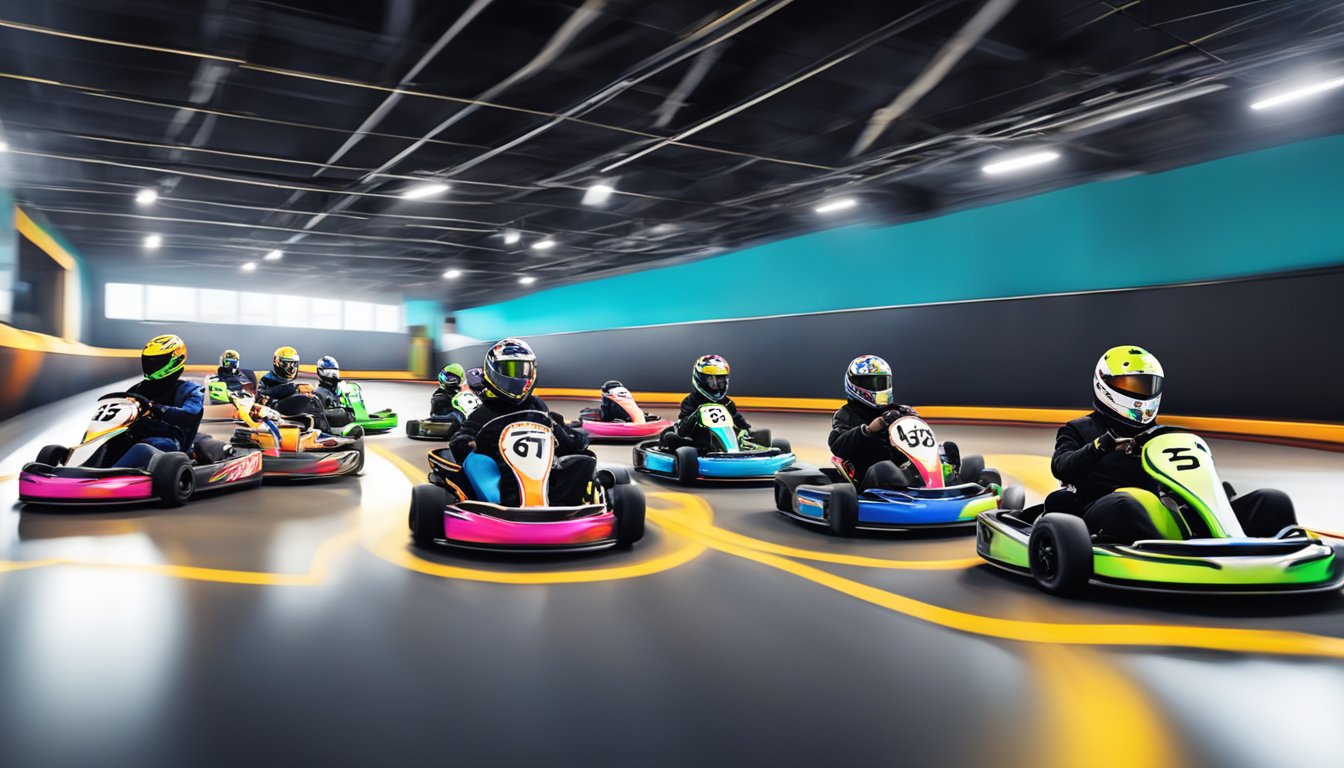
column 1105, row 443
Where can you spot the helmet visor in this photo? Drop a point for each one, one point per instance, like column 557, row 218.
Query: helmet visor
column 872, row 383
column 715, row 382
column 287, row 368
column 1140, row 386
column 157, row 367
column 515, row 369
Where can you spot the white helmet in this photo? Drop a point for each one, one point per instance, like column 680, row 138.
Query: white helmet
column 1128, row 383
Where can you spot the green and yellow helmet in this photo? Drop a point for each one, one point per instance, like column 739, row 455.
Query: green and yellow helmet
column 709, row 376
column 230, row 361
column 452, row 376
column 163, row 357
column 1128, row 383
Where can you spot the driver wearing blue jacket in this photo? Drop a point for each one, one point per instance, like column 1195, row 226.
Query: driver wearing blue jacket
column 173, row 406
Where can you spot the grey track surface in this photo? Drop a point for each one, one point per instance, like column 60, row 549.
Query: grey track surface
column 115, row 654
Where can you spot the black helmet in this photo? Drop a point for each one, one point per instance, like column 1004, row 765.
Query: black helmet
column 510, row 369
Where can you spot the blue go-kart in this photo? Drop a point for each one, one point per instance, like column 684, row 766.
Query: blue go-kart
column 732, row 460
column 939, row 498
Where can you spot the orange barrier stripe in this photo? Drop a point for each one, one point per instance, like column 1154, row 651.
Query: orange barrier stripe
column 14, row 338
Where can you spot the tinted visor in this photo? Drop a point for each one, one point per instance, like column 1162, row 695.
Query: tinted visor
column 1140, row 386
column 153, row 365
column 515, row 369
column 287, row 368
column 714, row 382
column 875, row 383
column 230, row 365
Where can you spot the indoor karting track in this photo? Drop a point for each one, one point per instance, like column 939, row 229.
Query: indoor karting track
column 299, row 623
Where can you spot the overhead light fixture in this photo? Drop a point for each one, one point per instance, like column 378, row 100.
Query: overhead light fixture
column 4, row 146
column 146, row 196
column 1019, row 162
column 527, row 280
column 1298, row 93
column 249, row 266
column 836, row 205
column 512, row 236
column 452, row 274
column 598, row 194
column 420, row 191
column 153, row 241
column 542, row 245
column 274, row 255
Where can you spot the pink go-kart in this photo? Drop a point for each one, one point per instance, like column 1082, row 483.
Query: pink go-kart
column 637, row 425
column 74, row 477
column 461, row 504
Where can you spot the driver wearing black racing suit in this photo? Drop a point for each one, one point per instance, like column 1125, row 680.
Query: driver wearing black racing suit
column 709, row 384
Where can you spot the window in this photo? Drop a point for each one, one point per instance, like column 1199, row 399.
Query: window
column 130, row 301
column 124, row 301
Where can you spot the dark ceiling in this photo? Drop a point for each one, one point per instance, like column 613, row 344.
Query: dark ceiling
column 296, row 125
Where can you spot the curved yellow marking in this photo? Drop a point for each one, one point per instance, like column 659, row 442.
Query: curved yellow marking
column 390, row 542
column 1208, row 638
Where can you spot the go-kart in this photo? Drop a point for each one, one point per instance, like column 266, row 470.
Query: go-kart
column 637, row 424
column 461, row 504
column 292, row 447
column 352, row 399
column 463, row 402
column 732, row 459
column 938, row 498
column 72, row 476
column 1203, row 549
column 218, row 401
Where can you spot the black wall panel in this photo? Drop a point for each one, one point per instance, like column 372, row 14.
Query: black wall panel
column 1261, row 348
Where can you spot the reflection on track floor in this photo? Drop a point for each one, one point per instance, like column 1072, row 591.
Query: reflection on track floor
column 298, row 624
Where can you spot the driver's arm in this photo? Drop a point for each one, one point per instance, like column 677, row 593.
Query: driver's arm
column 739, row 420
column 464, row 439
column 686, row 422
column 846, row 436
column 1076, row 457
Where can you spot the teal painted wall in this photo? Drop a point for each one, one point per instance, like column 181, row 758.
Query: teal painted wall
column 1273, row 210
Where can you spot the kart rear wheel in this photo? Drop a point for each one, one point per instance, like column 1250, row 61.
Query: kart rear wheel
column 627, row 502
column 782, row 445
column 842, row 509
column 359, row 446
column 427, row 505
column 687, row 465
column 971, row 468
column 990, row 477
column 412, row 428
column 53, row 455
column 1060, row 553
column 172, row 478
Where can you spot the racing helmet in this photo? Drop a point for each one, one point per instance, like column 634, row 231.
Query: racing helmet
column 476, row 379
column 510, row 369
column 1127, row 382
column 230, row 361
column 868, row 381
column 709, row 376
column 285, row 362
column 329, row 371
column 163, row 358
column 451, row 376
column 611, row 385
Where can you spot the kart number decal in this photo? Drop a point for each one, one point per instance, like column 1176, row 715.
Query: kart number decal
column 528, row 449
column 911, row 436
column 1184, row 464
column 1181, row 459
column 110, row 416
column 715, row 416
column 620, row 393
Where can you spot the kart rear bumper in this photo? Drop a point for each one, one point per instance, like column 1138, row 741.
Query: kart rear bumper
column 716, row 466
column 623, row 430
column 469, row 528
column 901, row 510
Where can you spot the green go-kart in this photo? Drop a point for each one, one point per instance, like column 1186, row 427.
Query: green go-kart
column 352, row 400
column 1203, row 549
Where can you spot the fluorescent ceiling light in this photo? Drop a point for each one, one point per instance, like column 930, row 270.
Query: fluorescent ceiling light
column 598, row 194
column 527, row 280
column 275, row 255
column 452, row 274
column 4, row 146
column 249, row 266
column 1021, row 161
column 542, row 245
column 512, row 236
column 146, row 197
column 153, row 241
column 425, row 190
column 836, row 205
column 1298, row 93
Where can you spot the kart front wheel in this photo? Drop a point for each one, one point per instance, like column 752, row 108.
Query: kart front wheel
column 687, row 465
column 627, row 502
column 172, row 478
column 412, row 428
column 359, row 446
column 1060, row 553
column 53, row 455
column 786, row 485
column 427, row 505
column 842, row 510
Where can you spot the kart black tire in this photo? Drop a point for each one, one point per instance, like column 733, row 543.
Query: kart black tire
column 687, row 465
column 412, row 428
column 53, row 455
column 786, row 484
column 990, row 477
column 359, row 446
column 761, row 437
column 627, row 502
column 1060, row 554
column 842, row 510
column 427, row 504
column 172, row 478
column 1014, row 499
column 782, row 445
column 610, row 477
column 970, row 469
